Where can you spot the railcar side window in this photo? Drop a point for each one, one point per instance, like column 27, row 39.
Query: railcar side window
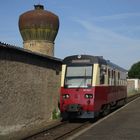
column 109, row 75
column 102, row 74
column 102, row 78
column 118, row 78
column 114, row 77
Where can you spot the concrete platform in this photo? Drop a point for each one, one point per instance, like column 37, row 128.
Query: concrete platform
column 121, row 125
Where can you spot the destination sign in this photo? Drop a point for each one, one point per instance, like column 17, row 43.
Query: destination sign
column 81, row 61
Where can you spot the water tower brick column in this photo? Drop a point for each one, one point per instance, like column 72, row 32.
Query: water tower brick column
column 43, row 47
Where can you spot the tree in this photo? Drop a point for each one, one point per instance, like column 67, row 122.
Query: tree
column 134, row 71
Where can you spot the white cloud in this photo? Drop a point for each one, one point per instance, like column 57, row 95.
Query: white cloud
column 117, row 16
column 120, row 49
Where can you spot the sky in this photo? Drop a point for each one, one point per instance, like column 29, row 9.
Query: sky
column 108, row 28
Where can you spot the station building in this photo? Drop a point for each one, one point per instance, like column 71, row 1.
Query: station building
column 133, row 85
column 30, row 76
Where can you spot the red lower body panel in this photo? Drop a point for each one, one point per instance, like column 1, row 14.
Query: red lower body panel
column 74, row 100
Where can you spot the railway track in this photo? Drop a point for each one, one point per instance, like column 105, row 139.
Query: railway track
column 63, row 130
column 60, row 131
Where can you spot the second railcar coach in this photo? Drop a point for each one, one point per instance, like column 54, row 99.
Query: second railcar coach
column 90, row 85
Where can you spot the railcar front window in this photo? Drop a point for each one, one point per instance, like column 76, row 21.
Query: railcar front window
column 78, row 76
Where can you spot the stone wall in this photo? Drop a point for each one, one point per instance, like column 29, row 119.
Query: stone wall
column 29, row 91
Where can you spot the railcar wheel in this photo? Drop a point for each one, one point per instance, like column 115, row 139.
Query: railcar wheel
column 125, row 101
column 106, row 110
column 122, row 102
column 64, row 116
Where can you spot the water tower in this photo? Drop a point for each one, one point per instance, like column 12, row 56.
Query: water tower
column 38, row 29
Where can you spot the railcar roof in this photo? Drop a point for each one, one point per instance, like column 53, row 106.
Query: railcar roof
column 74, row 59
column 93, row 59
column 115, row 66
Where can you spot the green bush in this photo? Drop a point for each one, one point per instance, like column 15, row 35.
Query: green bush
column 55, row 114
column 134, row 71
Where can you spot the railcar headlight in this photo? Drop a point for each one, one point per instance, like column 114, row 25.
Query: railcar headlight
column 88, row 96
column 66, row 96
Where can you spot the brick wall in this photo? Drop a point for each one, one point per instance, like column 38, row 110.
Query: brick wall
column 29, row 91
column 39, row 46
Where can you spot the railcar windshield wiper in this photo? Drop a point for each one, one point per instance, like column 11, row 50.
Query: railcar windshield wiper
column 83, row 82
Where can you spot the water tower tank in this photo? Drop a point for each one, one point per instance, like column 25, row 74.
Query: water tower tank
column 38, row 29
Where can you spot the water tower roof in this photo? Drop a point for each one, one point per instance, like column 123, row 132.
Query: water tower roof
column 38, row 24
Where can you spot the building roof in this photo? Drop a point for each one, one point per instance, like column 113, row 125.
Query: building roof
column 19, row 49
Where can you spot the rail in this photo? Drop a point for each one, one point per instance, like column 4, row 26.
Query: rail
column 63, row 130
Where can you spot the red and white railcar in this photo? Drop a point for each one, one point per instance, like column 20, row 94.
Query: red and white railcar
column 90, row 85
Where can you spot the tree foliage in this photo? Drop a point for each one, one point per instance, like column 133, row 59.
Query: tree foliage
column 134, row 71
